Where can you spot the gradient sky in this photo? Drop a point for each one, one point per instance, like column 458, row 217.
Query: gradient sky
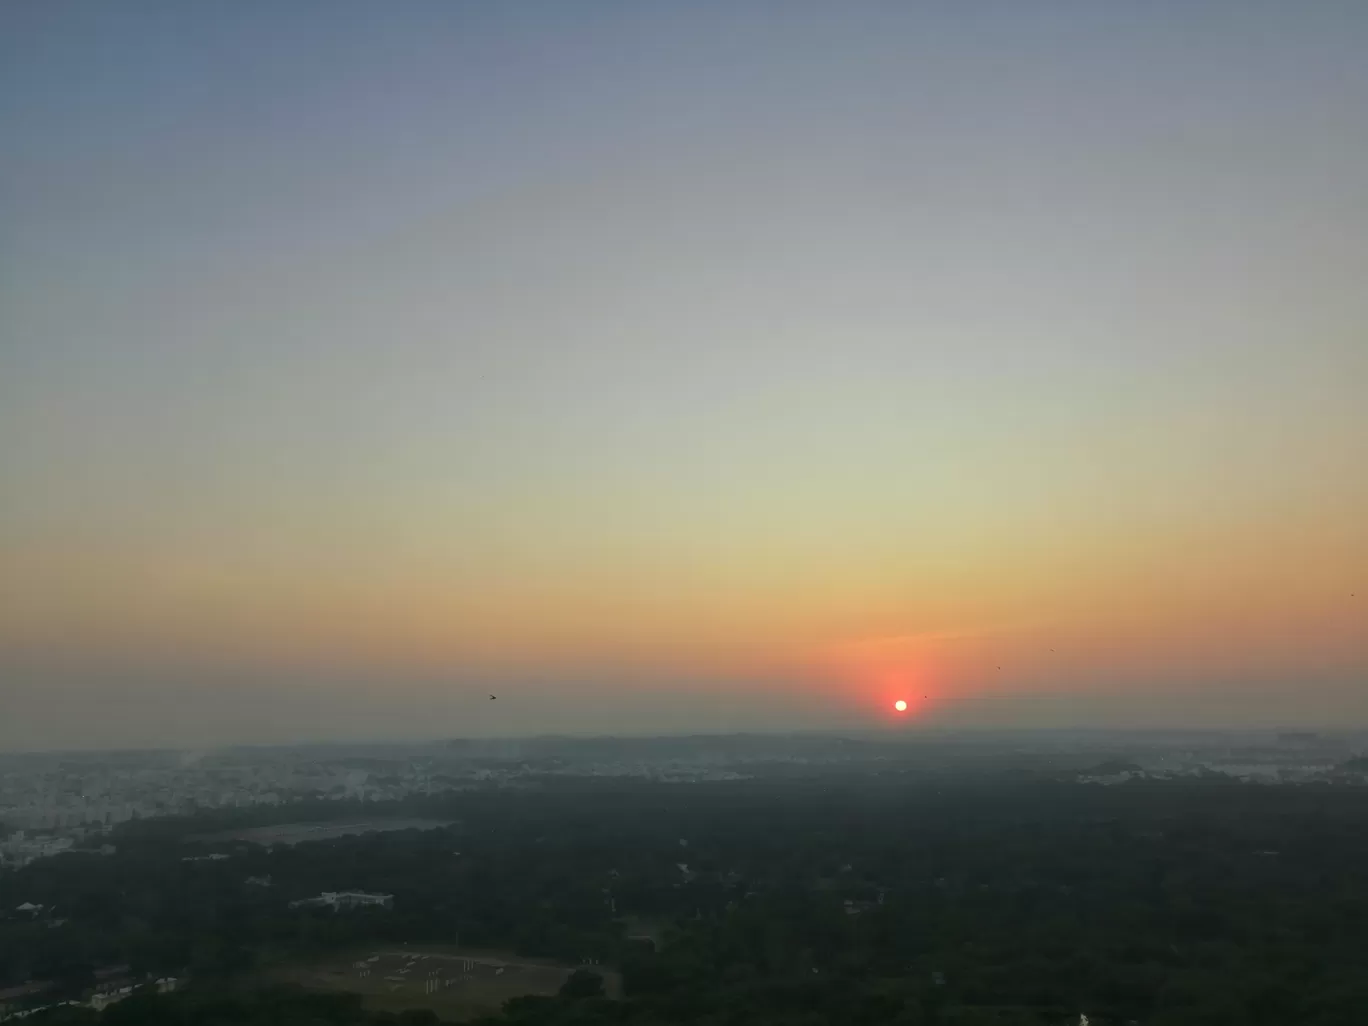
column 666, row 366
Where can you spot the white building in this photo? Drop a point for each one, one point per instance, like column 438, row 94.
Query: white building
column 341, row 900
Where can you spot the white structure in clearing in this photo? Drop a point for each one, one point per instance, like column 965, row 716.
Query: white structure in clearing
column 341, row 900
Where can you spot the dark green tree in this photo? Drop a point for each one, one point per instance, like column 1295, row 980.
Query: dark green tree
column 582, row 983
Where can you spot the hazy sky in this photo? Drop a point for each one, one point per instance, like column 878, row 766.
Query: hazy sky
column 665, row 366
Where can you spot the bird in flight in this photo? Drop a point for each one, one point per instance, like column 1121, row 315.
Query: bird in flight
column 493, row 698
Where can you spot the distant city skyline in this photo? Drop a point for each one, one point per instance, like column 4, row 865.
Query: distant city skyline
column 680, row 367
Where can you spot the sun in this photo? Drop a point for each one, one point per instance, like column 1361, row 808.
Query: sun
column 900, row 705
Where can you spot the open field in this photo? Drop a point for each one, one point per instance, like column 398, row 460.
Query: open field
column 294, row 833
column 454, row 983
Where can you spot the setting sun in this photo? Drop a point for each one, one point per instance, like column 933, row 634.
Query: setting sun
column 900, row 705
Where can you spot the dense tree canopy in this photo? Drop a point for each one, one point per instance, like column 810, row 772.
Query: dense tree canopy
column 861, row 900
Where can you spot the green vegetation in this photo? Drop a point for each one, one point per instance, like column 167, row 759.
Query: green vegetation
column 582, row 984
column 860, row 900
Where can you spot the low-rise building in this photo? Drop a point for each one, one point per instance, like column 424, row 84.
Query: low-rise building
column 341, row 900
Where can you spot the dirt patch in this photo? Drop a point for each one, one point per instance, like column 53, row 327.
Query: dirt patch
column 453, row 983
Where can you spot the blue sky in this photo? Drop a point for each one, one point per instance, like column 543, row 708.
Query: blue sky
column 652, row 352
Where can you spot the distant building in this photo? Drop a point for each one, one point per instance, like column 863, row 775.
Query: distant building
column 359, row 899
column 114, row 991
column 342, row 900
